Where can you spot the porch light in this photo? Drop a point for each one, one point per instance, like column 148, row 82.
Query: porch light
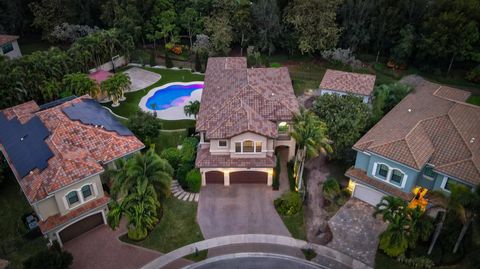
column 351, row 186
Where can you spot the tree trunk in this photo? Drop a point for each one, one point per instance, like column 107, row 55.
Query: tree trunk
column 190, row 37
column 378, row 55
column 300, row 172
column 462, row 234
column 438, row 229
column 241, row 45
column 451, row 64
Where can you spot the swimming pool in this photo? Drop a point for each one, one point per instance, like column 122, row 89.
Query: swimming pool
column 167, row 101
column 173, row 95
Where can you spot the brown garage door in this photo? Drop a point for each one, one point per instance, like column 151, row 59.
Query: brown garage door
column 214, row 177
column 81, row 227
column 248, row 177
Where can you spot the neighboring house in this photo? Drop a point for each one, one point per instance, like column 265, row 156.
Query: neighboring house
column 245, row 114
column 57, row 152
column 343, row 83
column 429, row 141
column 9, row 46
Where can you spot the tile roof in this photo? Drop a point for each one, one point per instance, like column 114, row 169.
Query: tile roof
column 57, row 220
column 434, row 125
column 207, row 160
column 4, row 39
column 236, row 99
column 360, row 175
column 348, row 82
column 79, row 149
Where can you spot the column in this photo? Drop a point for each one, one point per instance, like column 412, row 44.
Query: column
column 204, row 181
column 226, row 178
column 269, row 178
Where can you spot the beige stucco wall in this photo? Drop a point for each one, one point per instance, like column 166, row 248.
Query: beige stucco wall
column 215, row 149
column 47, row 208
column 249, row 136
column 15, row 53
column 227, row 171
column 60, row 195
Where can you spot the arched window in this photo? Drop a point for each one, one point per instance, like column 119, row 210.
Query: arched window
column 72, row 198
column 86, row 191
column 382, row 170
column 397, row 177
column 248, row 146
column 283, row 128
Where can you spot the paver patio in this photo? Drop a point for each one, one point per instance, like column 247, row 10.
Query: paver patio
column 355, row 231
column 141, row 78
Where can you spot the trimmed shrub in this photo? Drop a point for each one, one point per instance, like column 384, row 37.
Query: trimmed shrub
column 52, row 258
column 288, row 204
column 173, row 156
column 194, row 180
column 331, row 189
column 189, row 149
column 276, row 175
column 182, row 172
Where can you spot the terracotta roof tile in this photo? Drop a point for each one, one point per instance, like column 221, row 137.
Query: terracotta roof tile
column 4, row 39
column 261, row 96
column 360, row 175
column 79, row 149
column 348, row 82
column 207, row 160
column 57, row 220
column 431, row 125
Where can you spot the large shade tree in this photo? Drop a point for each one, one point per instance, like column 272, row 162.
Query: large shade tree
column 310, row 133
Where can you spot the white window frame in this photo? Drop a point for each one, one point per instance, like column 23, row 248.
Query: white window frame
column 427, row 176
column 81, row 199
column 445, row 180
column 388, row 178
column 254, row 147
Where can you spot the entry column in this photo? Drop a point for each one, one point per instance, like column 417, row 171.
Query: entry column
column 226, row 178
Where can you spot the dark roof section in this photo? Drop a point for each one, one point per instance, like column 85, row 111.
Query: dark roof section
column 25, row 143
column 57, row 102
column 91, row 112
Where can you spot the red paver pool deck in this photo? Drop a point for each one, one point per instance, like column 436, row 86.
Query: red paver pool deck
column 100, row 248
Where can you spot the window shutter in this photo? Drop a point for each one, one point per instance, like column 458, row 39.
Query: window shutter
column 374, row 171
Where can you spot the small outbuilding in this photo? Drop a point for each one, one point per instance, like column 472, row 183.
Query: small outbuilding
column 9, row 46
column 343, row 83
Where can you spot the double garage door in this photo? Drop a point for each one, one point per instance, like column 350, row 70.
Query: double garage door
column 239, row 177
column 367, row 194
column 80, row 227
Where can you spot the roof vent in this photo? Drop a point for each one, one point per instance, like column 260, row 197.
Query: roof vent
column 472, row 140
column 409, row 110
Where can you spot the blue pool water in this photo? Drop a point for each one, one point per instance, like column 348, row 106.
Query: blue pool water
column 173, row 95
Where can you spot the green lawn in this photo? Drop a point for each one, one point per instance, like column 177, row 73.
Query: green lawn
column 295, row 225
column 177, row 228
column 130, row 106
column 474, row 99
column 169, row 139
column 13, row 205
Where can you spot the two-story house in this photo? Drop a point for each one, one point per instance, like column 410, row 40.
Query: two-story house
column 343, row 83
column 9, row 46
column 245, row 114
column 429, row 141
column 57, row 152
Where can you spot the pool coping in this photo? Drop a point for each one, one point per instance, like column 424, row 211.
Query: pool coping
column 171, row 113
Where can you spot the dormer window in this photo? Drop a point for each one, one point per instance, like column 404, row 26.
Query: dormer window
column 222, row 143
column 248, row 146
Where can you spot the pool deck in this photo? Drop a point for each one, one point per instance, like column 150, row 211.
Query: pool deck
column 171, row 113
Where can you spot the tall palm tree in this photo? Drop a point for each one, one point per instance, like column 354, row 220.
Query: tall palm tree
column 192, row 108
column 310, row 134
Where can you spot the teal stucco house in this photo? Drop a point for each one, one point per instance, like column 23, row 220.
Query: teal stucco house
column 429, row 141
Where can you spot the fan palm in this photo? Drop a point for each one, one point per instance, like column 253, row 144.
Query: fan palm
column 192, row 108
column 310, row 135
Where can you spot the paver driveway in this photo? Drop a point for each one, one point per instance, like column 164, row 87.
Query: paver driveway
column 241, row 209
column 100, row 248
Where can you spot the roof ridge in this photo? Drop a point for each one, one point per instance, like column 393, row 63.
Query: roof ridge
column 458, row 132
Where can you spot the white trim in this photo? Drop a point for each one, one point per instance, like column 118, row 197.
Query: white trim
column 388, row 178
column 81, row 199
column 254, row 147
column 75, row 220
column 444, row 183
column 226, row 143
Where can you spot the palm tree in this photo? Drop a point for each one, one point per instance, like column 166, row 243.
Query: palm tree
column 310, row 134
column 192, row 108
column 80, row 84
column 149, row 166
column 394, row 240
column 389, row 207
column 115, row 86
column 140, row 207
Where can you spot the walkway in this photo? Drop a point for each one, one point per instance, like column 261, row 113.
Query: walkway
column 180, row 194
column 100, row 248
column 338, row 259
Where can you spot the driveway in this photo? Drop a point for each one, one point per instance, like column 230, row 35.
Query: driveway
column 355, row 231
column 100, row 248
column 241, row 209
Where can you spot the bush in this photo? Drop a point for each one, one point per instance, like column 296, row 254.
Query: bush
column 342, row 56
column 194, row 180
column 52, row 258
column 416, row 262
column 474, row 75
column 331, row 189
column 288, row 204
column 173, row 156
column 182, row 172
column 276, row 175
column 144, row 125
column 189, row 149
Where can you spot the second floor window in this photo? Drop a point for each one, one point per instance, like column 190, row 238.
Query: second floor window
column 72, row 198
column 238, row 147
column 222, row 143
column 383, row 170
column 86, row 191
column 397, row 177
column 248, row 146
column 429, row 172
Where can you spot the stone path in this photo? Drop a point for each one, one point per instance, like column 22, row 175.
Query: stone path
column 179, row 193
column 336, row 259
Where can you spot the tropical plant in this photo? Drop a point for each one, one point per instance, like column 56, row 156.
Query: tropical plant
column 331, row 189
column 80, row 84
column 173, row 156
column 310, row 133
column 145, row 126
column 194, row 180
column 115, row 86
column 192, row 108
